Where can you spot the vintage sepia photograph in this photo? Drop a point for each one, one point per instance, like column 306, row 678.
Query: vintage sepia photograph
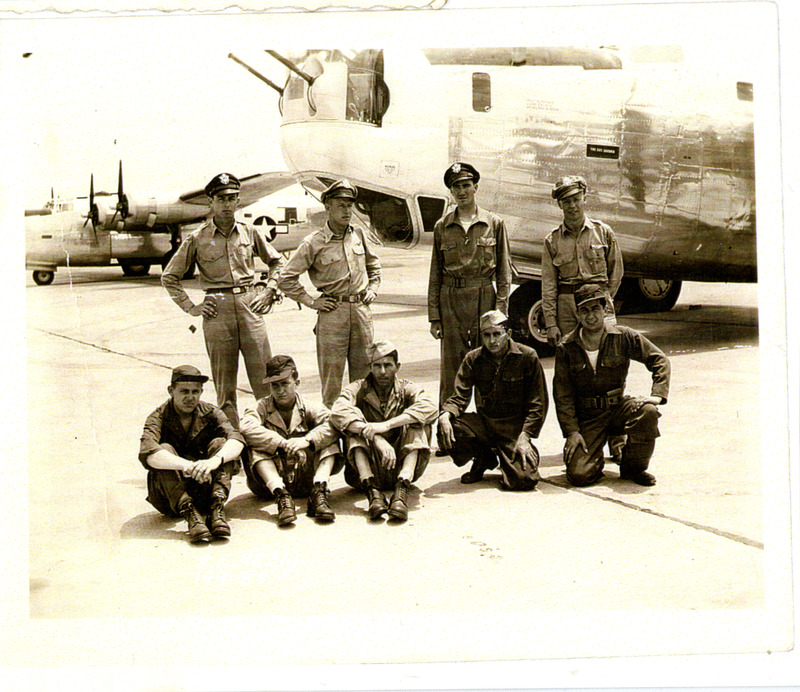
column 435, row 336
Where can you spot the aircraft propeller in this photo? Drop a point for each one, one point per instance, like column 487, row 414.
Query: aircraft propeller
column 122, row 207
column 94, row 212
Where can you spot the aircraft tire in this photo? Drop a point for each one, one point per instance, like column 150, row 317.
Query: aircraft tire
column 648, row 295
column 527, row 319
column 134, row 268
column 43, row 278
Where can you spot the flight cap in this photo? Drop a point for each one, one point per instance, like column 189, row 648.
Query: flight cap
column 221, row 183
column 568, row 185
column 589, row 292
column 339, row 188
column 187, row 373
column 460, row 171
column 277, row 367
column 493, row 318
column 380, row 349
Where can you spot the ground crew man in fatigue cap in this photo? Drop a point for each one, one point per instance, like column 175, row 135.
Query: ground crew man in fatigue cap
column 511, row 402
column 190, row 451
column 581, row 250
column 347, row 273
column 591, row 366
column 470, row 251
column 223, row 249
column 386, row 421
column 293, row 448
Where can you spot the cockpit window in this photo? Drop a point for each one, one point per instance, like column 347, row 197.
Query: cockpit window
column 367, row 93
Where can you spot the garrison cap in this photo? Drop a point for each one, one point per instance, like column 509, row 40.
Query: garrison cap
column 187, row 373
column 460, row 171
column 568, row 185
column 380, row 349
column 588, row 293
column 277, row 367
column 221, row 183
column 339, row 188
column 493, row 318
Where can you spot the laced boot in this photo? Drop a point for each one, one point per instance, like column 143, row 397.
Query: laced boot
column 377, row 502
column 198, row 531
column 286, row 510
column 318, row 503
column 398, row 507
column 217, row 521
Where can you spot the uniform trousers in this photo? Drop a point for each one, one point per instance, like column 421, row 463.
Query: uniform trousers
column 404, row 440
column 299, row 480
column 236, row 328
column 168, row 490
column 460, row 310
column 343, row 335
column 492, row 440
column 630, row 417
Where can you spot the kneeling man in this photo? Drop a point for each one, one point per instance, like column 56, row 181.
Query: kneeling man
column 588, row 387
column 190, row 451
column 511, row 401
column 386, row 421
column 294, row 449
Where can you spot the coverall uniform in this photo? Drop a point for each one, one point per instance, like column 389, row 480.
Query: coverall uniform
column 359, row 401
column 167, row 490
column 510, row 397
column 464, row 262
column 343, row 268
column 593, row 402
column 226, row 269
column 569, row 261
column 264, row 428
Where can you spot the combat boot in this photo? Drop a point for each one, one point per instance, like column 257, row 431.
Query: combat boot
column 377, row 502
column 286, row 510
column 198, row 531
column 217, row 521
column 318, row 503
column 398, row 507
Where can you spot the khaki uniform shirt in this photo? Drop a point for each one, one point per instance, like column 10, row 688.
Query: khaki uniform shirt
column 222, row 261
column 591, row 256
column 336, row 266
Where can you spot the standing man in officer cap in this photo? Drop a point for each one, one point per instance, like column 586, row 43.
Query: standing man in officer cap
column 589, row 391
column 511, row 401
column 347, row 273
column 581, row 250
column 470, row 251
column 232, row 310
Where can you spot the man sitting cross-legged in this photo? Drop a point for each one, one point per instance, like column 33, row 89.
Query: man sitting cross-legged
column 293, row 447
column 386, row 421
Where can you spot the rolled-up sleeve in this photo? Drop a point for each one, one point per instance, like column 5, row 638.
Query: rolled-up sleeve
column 269, row 256
column 256, row 435
column 344, row 411
column 420, row 406
column 151, row 436
column 322, row 433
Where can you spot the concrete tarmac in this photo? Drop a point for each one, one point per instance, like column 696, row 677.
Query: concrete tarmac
column 99, row 353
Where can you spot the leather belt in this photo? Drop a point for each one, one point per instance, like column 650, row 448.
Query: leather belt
column 458, row 282
column 604, row 401
column 230, row 289
column 354, row 298
column 571, row 288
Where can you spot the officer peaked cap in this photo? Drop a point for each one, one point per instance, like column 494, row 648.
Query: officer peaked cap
column 460, row 171
column 568, row 185
column 340, row 188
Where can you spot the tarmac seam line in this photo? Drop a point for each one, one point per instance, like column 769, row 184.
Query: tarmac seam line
column 646, row 510
column 116, row 353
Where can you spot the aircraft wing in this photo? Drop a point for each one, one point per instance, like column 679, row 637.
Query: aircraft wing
column 254, row 187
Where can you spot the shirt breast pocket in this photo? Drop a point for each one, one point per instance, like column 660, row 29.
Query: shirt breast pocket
column 486, row 250
column 565, row 264
column 330, row 256
column 245, row 251
column 450, row 253
column 512, row 387
column 210, row 253
column 358, row 248
column 596, row 256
